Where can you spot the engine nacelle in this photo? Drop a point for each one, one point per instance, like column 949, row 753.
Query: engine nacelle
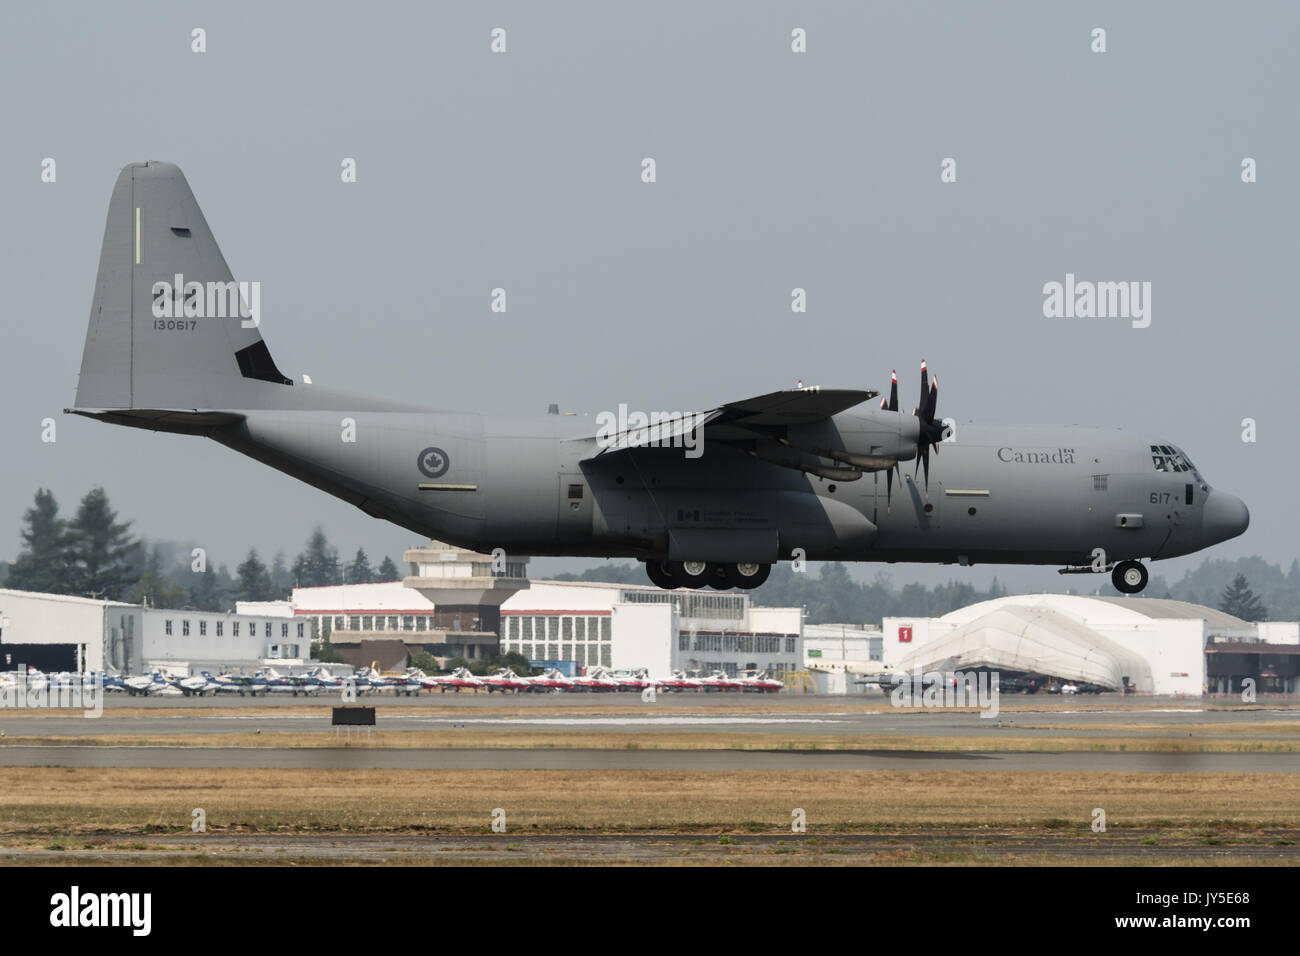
column 867, row 440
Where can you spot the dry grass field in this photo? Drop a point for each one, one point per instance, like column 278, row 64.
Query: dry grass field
column 127, row 816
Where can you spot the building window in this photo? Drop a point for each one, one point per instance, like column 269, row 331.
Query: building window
column 604, row 629
column 220, row 627
column 203, row 628
column 528, row 629
column 354, row 622
column 392, row 622
column 552, row 628
column 789, row 645
column 367, row 622
column 185, row 628
column 268, row 628
column 593, row 653
column 234, row 628
column 408, row 622
column 379, row 623
column 604, row 655
column 512, row 626
column 421, row 623
column 169, row 628
column 338, row 623
column 299, row 632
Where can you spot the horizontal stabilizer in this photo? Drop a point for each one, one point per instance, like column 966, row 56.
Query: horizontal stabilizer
column 186, row 421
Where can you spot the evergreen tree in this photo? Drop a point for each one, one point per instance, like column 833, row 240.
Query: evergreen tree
column 154, row 586
column 206, row 592
column 42, row 565
column 359, row 571
column 104, row 560
column 387, row 571
column 253, row 581
column 1240, row 601
column 318, row 565
column 281, row 578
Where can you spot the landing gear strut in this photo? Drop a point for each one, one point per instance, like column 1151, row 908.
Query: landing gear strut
column 1129, row 577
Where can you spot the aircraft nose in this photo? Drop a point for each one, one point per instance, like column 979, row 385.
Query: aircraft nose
column 1225, row 516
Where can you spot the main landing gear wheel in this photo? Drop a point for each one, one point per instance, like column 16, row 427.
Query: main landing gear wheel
column 691, row 574
column 1129, row 577
column 746, row 575
column 659, row 575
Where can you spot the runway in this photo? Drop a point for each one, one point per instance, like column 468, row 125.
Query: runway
column 680, row 717
column 361, row 757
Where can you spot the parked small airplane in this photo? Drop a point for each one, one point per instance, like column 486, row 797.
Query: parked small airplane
column 458, row 680
column 595, row 679
column 761, row 683
column 505, row 680
column 550, row 681
column 680, row 682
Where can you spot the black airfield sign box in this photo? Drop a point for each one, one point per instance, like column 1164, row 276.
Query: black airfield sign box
column 354, row 717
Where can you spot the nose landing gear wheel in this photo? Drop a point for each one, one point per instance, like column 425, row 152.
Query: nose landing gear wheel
column 1129, row 577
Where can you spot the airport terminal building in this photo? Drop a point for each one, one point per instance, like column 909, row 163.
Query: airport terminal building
column 559, row 623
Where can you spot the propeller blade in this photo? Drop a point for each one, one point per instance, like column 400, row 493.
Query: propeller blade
column 893, row 391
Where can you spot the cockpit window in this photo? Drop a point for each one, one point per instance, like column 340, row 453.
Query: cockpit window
column 1168, row 458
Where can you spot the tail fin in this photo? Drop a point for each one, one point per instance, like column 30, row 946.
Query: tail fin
column 204, row 352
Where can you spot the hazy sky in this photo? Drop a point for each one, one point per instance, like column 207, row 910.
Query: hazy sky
column 775, row 170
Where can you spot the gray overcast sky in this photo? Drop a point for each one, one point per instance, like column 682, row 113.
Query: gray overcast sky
column 775, row 170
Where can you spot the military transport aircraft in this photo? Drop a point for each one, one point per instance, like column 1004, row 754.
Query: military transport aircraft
column 709, row 499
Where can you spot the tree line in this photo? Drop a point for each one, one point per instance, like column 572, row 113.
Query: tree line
column 93, row 554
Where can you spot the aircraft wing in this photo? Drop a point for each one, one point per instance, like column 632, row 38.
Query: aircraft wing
column 797, row 406
column 747, row 419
